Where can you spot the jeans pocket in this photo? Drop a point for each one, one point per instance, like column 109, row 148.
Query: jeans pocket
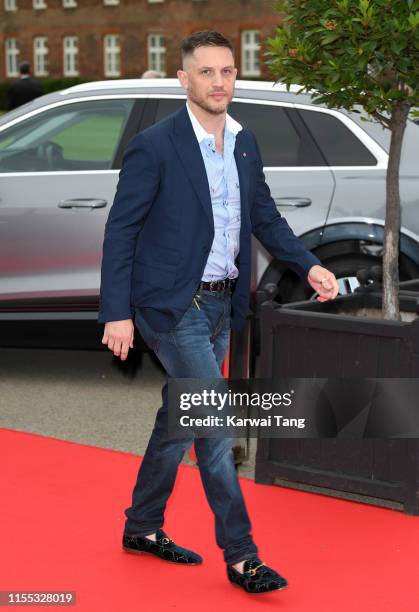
column 190, row 314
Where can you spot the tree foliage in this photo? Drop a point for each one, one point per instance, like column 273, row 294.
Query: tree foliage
column 349, row 52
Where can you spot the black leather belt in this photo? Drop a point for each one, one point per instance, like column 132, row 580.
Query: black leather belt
column 220, row 285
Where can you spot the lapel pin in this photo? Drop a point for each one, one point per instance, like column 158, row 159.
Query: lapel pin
column 244, row 154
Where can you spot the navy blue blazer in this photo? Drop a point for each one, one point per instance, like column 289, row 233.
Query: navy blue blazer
column 160, row 227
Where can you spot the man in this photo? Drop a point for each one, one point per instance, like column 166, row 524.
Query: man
column 24, row 89
column 176, row 256
column 151, row 74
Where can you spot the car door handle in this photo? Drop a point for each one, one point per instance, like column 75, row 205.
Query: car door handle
column 292, row 201
column 82, row 203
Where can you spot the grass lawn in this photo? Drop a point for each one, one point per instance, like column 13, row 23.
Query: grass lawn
column 91, row 139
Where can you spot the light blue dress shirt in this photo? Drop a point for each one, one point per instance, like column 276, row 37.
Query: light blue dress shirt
column 224, row 186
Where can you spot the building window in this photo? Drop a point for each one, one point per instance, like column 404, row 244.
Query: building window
column 70, row 53
column 12, row 53
column 39, row 4
column 10, row 5
column 40, row 53
column 250, row 47
column 112, row 55
column 157, row 53
column 154, row 1
column 110, row 2
column 69, row 3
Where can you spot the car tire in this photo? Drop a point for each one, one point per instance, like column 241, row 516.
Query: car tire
column 291, row 288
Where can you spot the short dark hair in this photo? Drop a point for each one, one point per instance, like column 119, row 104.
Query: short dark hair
column 207, row 38
column 24, row 68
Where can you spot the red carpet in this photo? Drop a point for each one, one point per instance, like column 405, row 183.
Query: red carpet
column 61, row 516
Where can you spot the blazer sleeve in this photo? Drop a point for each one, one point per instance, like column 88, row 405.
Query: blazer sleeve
column 272, row 229
column 137, row 186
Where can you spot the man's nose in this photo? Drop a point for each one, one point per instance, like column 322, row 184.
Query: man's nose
column 218, row 79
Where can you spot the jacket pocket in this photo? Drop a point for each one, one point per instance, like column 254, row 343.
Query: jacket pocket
column 159, row 256
column 154, row 275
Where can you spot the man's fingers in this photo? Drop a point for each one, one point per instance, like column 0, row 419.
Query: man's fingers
column 324, row 283
column 124, row 350
column 119, row 346
column 121, row 349
column 119, row 336
column 327, row 283
column 329, row 288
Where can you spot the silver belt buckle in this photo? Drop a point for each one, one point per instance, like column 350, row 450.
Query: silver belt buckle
column 211, row 285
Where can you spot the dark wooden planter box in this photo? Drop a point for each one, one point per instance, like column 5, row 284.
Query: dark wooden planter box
column 309, row 339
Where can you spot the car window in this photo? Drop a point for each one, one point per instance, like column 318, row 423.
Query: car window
column 338, row 144
column 167, row 107
column 281, row 141
column 78, row 136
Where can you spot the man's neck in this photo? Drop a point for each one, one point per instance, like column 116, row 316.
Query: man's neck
column 213, row 124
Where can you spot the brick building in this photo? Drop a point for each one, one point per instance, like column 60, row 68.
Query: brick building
column 97, row 39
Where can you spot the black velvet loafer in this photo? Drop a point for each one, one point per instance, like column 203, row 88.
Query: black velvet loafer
column 256, row 578
column 163, row 547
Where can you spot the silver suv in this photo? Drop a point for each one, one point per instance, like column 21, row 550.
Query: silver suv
column 60, row 156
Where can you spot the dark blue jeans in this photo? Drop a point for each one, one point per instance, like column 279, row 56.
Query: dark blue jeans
column 195, row 348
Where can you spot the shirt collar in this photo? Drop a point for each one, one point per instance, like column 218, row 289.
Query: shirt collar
column 231, row 124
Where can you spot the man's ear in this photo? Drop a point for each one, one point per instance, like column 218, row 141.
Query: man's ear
column 183, row 78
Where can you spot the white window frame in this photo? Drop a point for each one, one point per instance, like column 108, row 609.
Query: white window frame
column 70, row 55
column 10, row 5
column 250, row 51
column 43, row 109
column 11, row 53
column 39, row 4
column 40, row 55
column 110, row 2
column 112, row 55
column 69, row 3
column 155, row 1
column 156, row 53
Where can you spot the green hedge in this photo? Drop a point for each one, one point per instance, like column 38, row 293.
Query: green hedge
column 48, row 84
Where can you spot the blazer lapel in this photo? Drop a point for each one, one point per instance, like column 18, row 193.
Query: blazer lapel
column 187, row 147
column 242, row 164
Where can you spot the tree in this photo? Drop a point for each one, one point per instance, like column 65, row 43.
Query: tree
column 351, row 54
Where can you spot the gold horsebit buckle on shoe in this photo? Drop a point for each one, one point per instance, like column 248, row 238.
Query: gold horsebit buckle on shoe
column 253, row 571
column 166, row 540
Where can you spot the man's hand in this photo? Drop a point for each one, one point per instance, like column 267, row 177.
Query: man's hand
column 119, row 336
column 324, row 282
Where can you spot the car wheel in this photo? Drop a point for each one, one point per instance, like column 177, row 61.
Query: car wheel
column 292, row 289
